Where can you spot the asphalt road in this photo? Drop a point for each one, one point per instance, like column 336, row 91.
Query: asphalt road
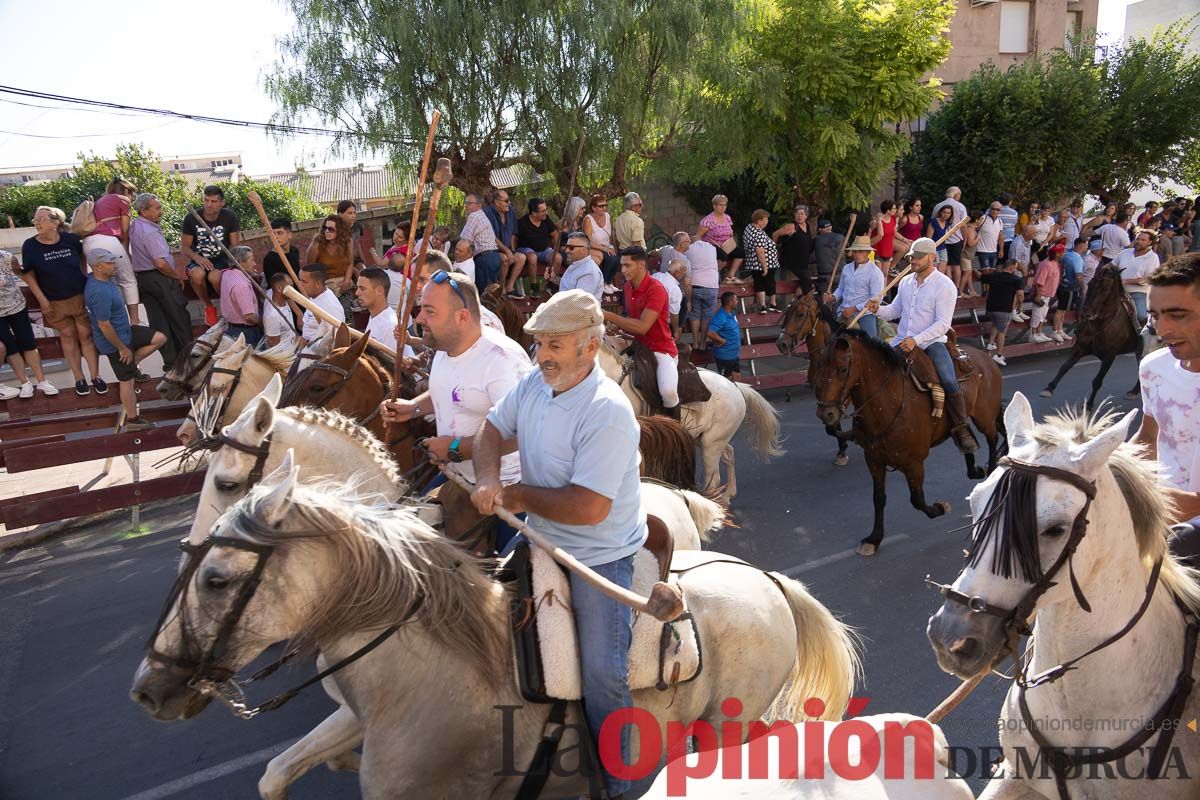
column 75, row 614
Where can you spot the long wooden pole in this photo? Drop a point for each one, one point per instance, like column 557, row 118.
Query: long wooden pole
column 837, row 265
column 403, row 307
column 323, row 315
column 902, row 273
column 257, row 202
column 665, row 602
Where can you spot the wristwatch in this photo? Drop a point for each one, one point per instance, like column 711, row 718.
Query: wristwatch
column 455, row 456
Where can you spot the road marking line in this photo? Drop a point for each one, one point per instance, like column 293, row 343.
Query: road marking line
column 212, row 773
column 1022, row 374
column 832, row 558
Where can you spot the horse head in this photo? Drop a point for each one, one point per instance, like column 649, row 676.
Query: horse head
column 1028, row 550
column 336, row 382
column 839, row 377
column 799, row 321
column 186, row 375
column 221, row 382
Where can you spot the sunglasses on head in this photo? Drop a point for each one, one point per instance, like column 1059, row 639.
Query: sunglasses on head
column 441, row 276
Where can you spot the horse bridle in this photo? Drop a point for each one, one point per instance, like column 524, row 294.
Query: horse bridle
column 844, row 399
column 1016, row 623
column 208, row 349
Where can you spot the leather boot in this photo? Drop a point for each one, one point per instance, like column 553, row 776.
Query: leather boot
column 960, row 426
column 673, row 412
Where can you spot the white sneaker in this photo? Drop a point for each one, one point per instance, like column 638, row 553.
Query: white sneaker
column 1040, row 338
column 47, row 388
column 990, row 346
column 26, row 390
column 7, row 392
column 999, row 359
column 1020, row 316
column 1058, row 337
column 610, row 289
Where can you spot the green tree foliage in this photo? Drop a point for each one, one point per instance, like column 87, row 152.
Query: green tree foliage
column 524, row 91
column 1064, row 125
column 813, row 93
column 140, row 166
column 1033, row 131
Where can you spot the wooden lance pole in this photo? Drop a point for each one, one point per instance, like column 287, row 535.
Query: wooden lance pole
column 665, row 602
column 902, row 273
column 841, row 259
column 323, row 315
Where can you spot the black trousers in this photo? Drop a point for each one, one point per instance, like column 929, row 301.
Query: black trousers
column 167, row 308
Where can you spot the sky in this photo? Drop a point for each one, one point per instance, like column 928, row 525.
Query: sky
column 198, row 58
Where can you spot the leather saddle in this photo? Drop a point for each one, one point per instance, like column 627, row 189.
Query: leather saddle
column 920, row 365
column 644, row 369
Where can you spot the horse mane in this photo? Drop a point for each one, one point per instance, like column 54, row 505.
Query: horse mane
column 879, row 347
column 336, row 421
column 668, row 452
column 279, row 358
column 1138, row 478
column 386, row 562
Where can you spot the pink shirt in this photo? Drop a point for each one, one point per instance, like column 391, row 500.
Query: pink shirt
column 717, row 232
column 237, row 297
column 110, row 205
column 1047, row 278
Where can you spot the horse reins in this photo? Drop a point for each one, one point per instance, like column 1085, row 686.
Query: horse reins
column 844, row 400
column 1016, row 623
column 208, row 349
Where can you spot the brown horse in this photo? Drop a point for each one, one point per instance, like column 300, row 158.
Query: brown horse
column 1107, row 329
column 809, row 320
column 494, row 300
column 893, row 420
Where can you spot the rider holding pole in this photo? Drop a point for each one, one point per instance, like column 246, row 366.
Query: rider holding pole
column 925, row 304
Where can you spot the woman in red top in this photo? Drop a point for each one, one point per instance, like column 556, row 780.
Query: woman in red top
column 112, row 234
column 883, row 234
column 912, row 224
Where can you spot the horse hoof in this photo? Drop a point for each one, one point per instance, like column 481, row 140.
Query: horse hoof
column 976, row 474
column 1045, row 393
column 841, row 460
column 1132, row 396
column 866, row 549
column 942, row 507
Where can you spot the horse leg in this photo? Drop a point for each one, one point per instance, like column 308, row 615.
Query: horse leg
column 1105, row 364
column 339, row 733
column 869, row 545
column 727, row 459
column 843, row 442
column 1071, row 361
column 710, row 459
column 1138, row 351
column 915, row 475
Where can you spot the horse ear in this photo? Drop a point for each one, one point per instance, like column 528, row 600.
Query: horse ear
column 279, row 485
column 1093, row 455
column 286, row 465
column 241, row 342
column 342, row 337
column 215, row 333
column 273, row 390
column 1018, row 421
column 360, row 346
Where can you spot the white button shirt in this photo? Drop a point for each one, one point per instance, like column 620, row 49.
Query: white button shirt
column 925, row 309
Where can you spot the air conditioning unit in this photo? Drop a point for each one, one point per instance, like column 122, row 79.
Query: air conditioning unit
column 977, row 3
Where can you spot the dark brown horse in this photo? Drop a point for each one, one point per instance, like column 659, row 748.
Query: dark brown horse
column 494, row 300
column 1107, row 329
column 807, row 320
column 893, row 420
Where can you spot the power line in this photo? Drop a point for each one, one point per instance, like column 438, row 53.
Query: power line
column 87, row 135
column 266, row 126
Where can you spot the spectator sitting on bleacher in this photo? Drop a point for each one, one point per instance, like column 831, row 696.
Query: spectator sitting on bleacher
column 239, row 304
column 124, row 345
column 725, row 334
column 671, row 277
column 16, row 334
column 279, row 327
column 54, row 267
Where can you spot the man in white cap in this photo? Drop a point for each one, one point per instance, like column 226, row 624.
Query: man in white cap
column 924, row 305
column 860, row 280
column 578, row 440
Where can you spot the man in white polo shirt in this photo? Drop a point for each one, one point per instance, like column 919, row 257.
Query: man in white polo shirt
column 1170, row 380
column 1136, row 266
column 312, row 283
column 671, row 277
column 372, row 294
column 578, row 440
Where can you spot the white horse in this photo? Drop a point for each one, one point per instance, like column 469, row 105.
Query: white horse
column 923, row 774
column 189, row 372
column 713, row 423
column 237, row 376
column 436, row 702
column 1024, row 522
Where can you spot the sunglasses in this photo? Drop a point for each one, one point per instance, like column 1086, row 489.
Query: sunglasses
column 602, row 205
column 441, row 276
column 331, row 228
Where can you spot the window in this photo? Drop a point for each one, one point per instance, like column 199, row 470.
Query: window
column 1074, row 29
column 1014, row 26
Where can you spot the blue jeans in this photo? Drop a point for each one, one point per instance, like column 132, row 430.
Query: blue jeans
column 704, row 304
column 604, row 628
column 985, row 260
column 253, row 333
column 487, row 268
column 1139, row 305
column 869, row 325
column 944, row 365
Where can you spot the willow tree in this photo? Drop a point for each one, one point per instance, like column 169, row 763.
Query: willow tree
column 813, row 96
column 517, row 81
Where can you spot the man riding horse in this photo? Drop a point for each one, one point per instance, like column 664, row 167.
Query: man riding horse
column 649, row 320
column 472, row 369
column 925, row 304
column 578, row 441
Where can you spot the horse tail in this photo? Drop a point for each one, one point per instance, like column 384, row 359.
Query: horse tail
column 764, row 419
column 827, row 657
column 706, row 513
column 668, row 452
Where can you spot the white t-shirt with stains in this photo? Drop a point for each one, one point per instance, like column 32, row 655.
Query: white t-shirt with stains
column 1171, row 394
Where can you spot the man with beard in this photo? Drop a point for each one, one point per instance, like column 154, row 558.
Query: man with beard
column 579, row 484
column 473, row 368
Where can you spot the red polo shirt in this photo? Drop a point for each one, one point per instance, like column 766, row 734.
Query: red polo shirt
column 651, row 295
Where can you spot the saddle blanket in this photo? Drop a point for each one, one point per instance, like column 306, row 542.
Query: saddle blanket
column 660, row 655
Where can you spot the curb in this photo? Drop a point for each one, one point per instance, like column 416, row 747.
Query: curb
column 52, row 530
